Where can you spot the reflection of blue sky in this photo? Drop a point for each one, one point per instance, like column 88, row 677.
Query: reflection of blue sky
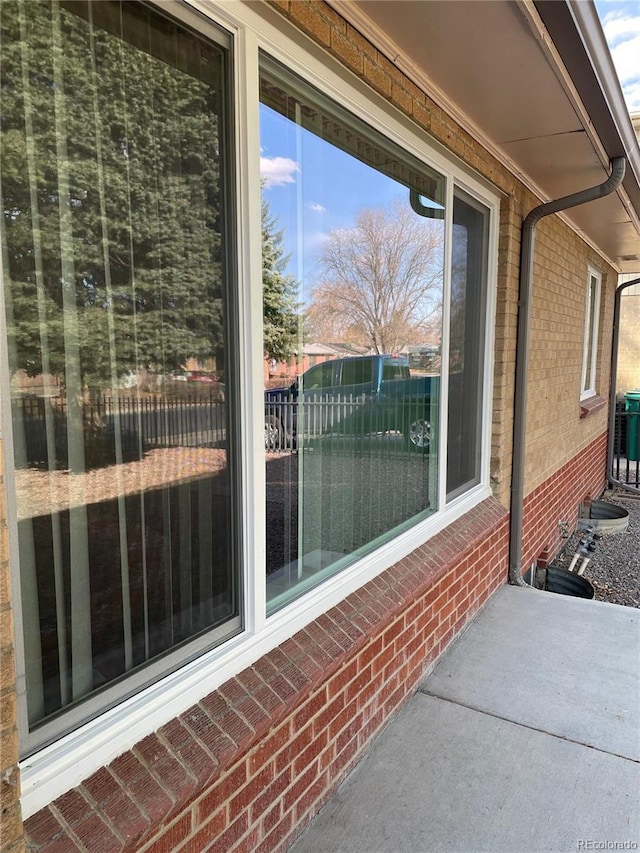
column 621, row 24
column 311, row 202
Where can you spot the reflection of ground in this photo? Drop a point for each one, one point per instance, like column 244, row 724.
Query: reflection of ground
column 340, row 495
column 352, row 490
column 42, row 492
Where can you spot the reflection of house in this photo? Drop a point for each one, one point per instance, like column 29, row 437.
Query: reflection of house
column 312, row 353
column 159, row 690
column 423, row 356
column 39, row 386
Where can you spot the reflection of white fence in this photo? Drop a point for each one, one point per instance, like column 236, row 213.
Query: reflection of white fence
column 289, row 424
column 135, row 425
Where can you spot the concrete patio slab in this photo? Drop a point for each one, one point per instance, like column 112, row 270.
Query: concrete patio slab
column 523, row 739
column 563, row 665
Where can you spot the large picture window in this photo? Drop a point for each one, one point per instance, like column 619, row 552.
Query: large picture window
column 114, row 232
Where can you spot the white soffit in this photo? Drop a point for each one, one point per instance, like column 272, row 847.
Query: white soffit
column 492, row 66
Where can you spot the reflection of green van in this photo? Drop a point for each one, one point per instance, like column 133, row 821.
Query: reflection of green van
column 358, row 395
column 356, row 373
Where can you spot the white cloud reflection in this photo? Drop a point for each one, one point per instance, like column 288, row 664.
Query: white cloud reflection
column 277, row 171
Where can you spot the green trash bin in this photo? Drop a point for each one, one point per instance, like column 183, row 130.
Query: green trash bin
column 632, row 408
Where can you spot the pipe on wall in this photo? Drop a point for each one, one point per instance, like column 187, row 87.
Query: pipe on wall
column 618, row 166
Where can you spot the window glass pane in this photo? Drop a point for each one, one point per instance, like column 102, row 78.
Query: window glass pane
column 320, row 376
column 466, row 342
column 395, row 368
column 113, row 137
column 590, row 344
column 357, row 371
column 353, row 260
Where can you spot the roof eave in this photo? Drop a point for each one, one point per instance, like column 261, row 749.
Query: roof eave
column 578, row 36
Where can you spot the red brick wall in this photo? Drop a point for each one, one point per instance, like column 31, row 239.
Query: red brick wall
column 246, row 768
column 558, row 499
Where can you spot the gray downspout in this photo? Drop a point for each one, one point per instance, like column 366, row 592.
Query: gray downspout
column 612, row 392
column 618, row 166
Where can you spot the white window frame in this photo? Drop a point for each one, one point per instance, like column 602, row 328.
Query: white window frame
column 63, row 764
column 590, row 335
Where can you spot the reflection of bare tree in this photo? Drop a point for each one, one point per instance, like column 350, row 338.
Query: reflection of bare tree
column 382, row 281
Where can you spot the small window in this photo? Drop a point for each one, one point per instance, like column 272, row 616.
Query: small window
column 590, row 351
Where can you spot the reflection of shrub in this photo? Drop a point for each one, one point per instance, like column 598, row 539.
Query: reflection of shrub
column 99, row 444
column 194, row 392
column 98, row 437
column 278, row 382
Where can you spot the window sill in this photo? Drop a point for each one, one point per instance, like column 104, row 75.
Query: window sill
column 591, row 405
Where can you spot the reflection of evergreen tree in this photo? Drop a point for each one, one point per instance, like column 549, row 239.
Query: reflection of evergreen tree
column 136, row 169
column 279, row 291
